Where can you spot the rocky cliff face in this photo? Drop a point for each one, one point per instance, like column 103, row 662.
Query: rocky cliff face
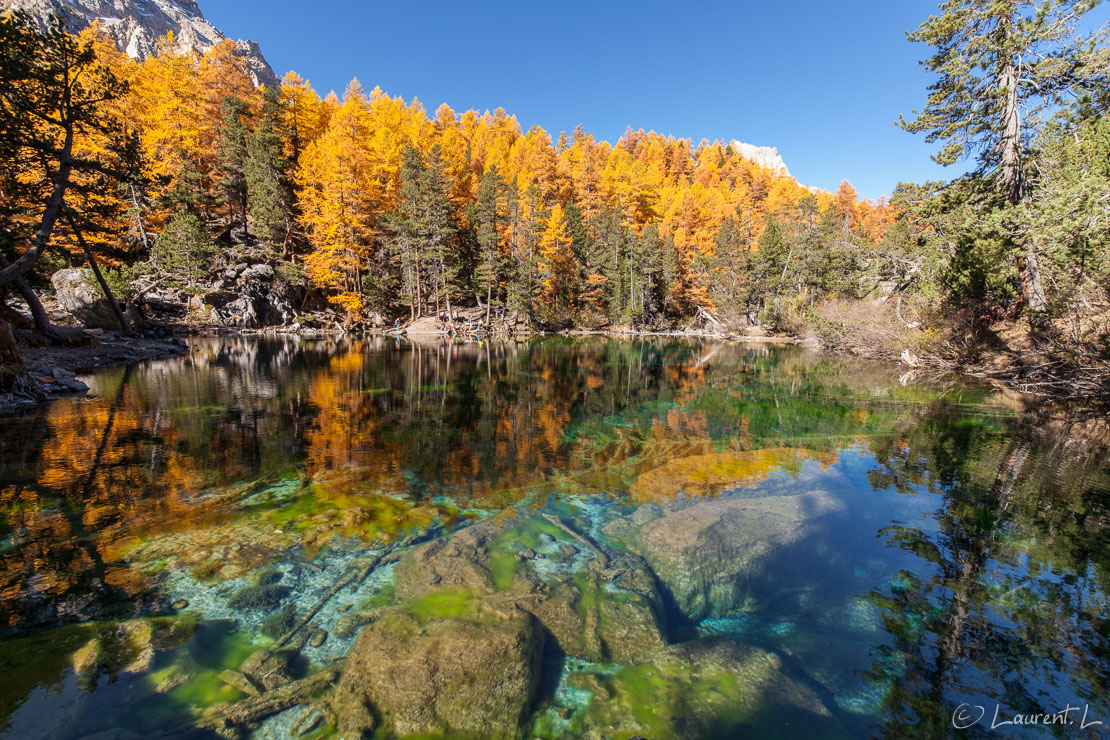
column 764, row 156
column 137, row 25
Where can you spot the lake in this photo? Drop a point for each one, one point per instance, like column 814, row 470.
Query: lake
column 552, row 538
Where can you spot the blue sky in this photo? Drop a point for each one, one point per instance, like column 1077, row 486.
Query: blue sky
column 822, row 81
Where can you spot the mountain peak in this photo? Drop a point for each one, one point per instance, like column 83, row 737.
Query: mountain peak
column 764, row 156
column 137, row 25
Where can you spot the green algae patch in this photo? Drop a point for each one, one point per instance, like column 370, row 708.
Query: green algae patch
column 504, row 562
column 589, row 596
column 503, row 566
column 445, row 603
column 194, row 675
column 384, row 596
column 280, row 622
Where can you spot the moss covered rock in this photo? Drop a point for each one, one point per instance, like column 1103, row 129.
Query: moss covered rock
column 596, row 606
column 475, row 673
column 711, row 688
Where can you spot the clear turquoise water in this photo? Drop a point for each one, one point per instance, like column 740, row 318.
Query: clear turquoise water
column 961, row 555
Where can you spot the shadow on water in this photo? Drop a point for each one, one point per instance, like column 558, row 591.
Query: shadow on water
column 940, row 551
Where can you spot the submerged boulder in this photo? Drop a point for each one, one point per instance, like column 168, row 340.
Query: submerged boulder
column 472, row 674
column 129, row 647
column 714, row 687
column 81, row 300
column 596, row 605
column 710, row 554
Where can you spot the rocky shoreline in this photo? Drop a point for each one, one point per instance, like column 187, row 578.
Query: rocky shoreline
column 53, row 368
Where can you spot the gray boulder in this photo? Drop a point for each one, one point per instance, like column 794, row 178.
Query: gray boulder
column 259, row 273
column 82, row 300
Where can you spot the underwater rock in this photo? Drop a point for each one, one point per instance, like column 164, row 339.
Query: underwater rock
column 647, row 513
column 462, row 560
column 476, row 675
column 217, row 552
column 591, row 620
column 258, row 597
column 230, row 720
column 619, row 620
column 238, row 681
column 270, row 668
column 129, row 647
column 707, row 554
column 87, row 659
column 715, row 687
column 179, row 674
column 139, row 636
column 317, row 638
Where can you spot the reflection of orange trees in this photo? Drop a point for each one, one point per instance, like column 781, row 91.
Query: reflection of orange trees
column 344, row 428
column 108, row 474
column 357, row 489
column 710, row 474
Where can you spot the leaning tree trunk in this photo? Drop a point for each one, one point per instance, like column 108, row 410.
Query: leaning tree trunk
column 9, row 351
column 34, row 305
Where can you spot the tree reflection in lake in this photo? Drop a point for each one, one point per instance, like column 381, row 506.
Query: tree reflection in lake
column 1009, row 607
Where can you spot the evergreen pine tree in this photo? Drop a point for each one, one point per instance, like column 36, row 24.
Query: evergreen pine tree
column 436, row 227
column 488, row 213
column 404, row 238
column 999, row 64
column 727, row 264
column 233, row 157
column 183, row 250
column 264, row 179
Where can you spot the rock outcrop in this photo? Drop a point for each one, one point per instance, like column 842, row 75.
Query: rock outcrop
column 248, row 296
column 81, row 300
column 137, row 26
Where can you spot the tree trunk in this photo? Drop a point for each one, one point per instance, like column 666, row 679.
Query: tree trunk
column 139, row 216
column 446, row 290
column 1031, row 285
column 1013, row 180
column 120, row 317
column 38, row 313
column 13, row 373
column 49, row 216
column 9, row 351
